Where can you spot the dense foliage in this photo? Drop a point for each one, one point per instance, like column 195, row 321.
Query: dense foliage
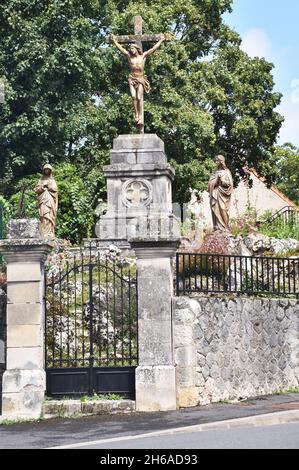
column 75, row 213
column 67, row 93
column 286, row 159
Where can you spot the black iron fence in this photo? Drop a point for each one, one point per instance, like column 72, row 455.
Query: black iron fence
column 2, row 311
column 2, row 335
column 1, row 230
column 91, row 325
column 214, row 273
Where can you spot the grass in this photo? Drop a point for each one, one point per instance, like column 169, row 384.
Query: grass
column 286, row 392
column 101, row 397
column 280, row 230
column 8, row 422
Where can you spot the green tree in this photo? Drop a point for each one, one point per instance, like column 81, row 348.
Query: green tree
column 75, row 218
column 207, row 95
column 48, row 62
column 67, row 93
column 286, row 159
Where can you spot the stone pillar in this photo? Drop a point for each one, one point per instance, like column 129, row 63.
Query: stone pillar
column 185, row 314
column 24, row 381
column 155, row 374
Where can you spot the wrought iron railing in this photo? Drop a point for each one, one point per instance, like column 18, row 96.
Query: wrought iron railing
column 1, row 222
column 286, row 215
column 91, row 312
column 1, row 230
column 214, row 273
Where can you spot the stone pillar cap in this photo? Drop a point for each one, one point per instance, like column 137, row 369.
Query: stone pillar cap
column 150, row 249
column 138, row 141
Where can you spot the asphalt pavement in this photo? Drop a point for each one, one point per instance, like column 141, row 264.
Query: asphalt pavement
column 65, row 432
column 282, row 436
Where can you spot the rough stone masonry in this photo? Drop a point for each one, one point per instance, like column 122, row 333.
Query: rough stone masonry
column 232, row 349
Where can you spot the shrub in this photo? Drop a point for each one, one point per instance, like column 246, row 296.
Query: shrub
column 6, row 213
column 216, row 243
column 279, row 229
column 245, row 224
column 2, row 277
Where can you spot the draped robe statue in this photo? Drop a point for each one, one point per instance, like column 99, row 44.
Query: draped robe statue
column 220, row 189
column 47, row 192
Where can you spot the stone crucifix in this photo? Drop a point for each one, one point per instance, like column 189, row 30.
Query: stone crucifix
column 138, row 81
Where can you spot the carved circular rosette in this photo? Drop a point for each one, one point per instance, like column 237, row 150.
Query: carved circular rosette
column 137, row 192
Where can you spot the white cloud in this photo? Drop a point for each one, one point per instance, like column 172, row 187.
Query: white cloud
column 290, row 129
column 257, row 43
column 295, row 92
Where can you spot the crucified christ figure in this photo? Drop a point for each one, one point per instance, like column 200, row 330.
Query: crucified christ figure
column 138, row 81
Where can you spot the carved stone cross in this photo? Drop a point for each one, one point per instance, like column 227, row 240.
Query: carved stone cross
column 137, row 37
column 137, row 193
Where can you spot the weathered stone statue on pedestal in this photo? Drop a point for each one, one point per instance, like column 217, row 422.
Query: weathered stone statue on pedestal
column 24, row 380
column 47, row 192
column 220, row 189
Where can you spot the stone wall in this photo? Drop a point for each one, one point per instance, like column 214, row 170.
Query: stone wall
column 233, row 349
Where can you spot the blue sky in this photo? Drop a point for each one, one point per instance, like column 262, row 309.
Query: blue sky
column 269, row 28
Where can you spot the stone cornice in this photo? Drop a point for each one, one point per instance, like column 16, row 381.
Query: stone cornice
column 154, row 248
column 25, row 250
column 122, row 170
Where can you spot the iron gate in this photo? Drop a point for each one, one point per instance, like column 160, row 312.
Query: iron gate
column 91, row 324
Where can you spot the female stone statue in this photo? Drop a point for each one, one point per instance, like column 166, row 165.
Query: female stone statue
column 138, row 81
column 47, row 192
column 220, row 189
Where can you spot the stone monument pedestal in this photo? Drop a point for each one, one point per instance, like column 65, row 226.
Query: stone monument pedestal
column 138, row 187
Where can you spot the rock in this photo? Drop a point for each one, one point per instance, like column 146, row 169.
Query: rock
column 281, row 246
column 257, row 243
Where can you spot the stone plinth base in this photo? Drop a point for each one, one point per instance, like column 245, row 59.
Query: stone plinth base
column 23, row 393
column 155, row 388
column 138, row 189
